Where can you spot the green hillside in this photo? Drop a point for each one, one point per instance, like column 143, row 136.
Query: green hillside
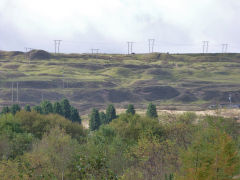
column 171, row 81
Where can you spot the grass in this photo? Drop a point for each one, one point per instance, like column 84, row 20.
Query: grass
column 194, row 70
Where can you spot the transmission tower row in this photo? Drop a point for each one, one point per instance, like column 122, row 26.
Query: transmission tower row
column 151, row 44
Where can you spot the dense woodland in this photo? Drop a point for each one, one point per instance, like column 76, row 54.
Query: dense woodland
column 48, row 142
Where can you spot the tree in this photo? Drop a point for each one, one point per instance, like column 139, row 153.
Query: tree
column 50, row 157
column 110, row 113
column 38, row 109
column 212, row 155
column 74, row 117
column 94, row 122
column 152, row 111
column 27, row 108
column 15, row 108
column 46, row 107
column 102, row 117
column 130, row 109
column 5, row 110
column 66, row 108
column 57, row 108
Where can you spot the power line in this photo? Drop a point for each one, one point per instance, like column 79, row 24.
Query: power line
column 224, row 48
column 95, row 51
column 205, row 46
column 27, row 55
column 17, row 92
column 57, row 45
column 12, row 92
column 130, row 47
column 151, row 45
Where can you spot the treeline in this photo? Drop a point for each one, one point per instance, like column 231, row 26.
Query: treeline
column 62, row 108
column 123, row 146
column 100, row 118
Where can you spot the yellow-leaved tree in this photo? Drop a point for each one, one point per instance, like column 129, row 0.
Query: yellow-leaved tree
column 213, row 155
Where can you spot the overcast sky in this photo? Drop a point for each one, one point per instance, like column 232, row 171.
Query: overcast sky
column 176, row 25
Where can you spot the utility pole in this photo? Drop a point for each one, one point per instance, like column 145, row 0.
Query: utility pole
column 95, row 51
column 224, row 48
column 151, row 45
column 57, row 46
column 12, row 93
column 230, row 99
column 130, row 47
column 17, row 92
column 27, row 50
column 205, row 46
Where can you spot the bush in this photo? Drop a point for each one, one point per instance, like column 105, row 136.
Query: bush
column 15, row 108
column 130, row 109
column 94, row 122
column 152, row 111
column 110, row 113
column 46, row 107
column 27, row 108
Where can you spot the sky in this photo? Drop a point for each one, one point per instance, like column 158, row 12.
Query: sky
column 178, row 26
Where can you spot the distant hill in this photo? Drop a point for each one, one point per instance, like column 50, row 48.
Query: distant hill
column 172, row 81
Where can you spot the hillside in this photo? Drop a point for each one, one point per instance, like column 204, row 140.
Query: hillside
column 171, row 81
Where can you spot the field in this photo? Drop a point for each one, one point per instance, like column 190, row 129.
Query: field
column 171, row 81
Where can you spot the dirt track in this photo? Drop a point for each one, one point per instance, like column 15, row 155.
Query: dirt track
column 220, row 112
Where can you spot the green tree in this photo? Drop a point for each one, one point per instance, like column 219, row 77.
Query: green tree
column 110, row 113
column 102, row 117
column 57, row 108
column 15, row 108
column 66, row 108
column 38, row 109
column 130, row 109
column 74, row 117
column 5, row 110
column 27, row 108
column 46, row 107
column 152, row 111
column 94, row 122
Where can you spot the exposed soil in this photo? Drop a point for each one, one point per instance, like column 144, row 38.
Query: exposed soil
column 86, row 66
column 187, row 97
column 156, row 92
column 122, row 95
column 143, row 83
column 30, row 95
column 92, row 84
column 157, row 71
column 104, row 95
column 219, row 96
column 11, row 66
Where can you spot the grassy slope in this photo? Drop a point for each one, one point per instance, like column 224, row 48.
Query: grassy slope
column 110, row 77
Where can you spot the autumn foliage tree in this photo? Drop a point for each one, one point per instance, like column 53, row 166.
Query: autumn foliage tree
column 212, row 155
